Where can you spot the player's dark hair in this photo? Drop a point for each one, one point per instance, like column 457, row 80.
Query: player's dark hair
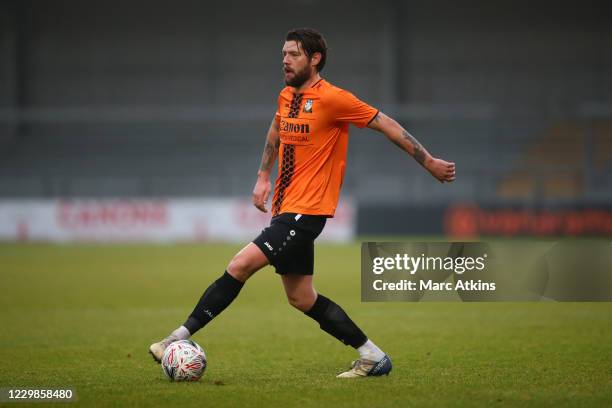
column 311, row 41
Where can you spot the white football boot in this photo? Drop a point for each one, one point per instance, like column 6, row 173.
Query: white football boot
column 157, row 349
column 367, row 368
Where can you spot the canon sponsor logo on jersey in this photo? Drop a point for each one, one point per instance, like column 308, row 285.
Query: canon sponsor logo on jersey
column 113, row 214
column 289, row 127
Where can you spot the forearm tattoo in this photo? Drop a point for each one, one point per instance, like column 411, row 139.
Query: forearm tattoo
column 269, row 155
column 419, row 152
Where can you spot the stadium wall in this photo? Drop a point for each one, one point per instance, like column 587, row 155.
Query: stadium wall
column 234, row 220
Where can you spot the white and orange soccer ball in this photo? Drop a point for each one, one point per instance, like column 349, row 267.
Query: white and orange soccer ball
column 184, row 360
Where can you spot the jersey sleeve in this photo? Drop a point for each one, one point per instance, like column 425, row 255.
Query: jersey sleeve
column 350, row 109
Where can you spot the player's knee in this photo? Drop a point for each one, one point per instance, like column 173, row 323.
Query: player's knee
column 240, row 268
column 302, row 303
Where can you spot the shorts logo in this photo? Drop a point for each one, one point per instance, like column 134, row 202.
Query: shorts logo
column 292, row 233
column 308, row 106
column 267, row 244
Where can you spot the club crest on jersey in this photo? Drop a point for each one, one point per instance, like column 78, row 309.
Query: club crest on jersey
column 308, row 106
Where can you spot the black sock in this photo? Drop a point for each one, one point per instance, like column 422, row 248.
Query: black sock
column 215, row 299
column 336, row 322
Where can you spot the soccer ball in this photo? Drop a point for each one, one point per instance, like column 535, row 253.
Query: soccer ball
column 184, row 360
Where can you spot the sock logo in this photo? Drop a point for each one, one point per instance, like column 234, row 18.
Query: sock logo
column 267, row 244
column 209, row 313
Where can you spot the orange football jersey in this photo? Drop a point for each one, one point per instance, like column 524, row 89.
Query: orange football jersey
column 313, row 127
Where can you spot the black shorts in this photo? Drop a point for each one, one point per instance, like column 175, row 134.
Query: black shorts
column 288, row 242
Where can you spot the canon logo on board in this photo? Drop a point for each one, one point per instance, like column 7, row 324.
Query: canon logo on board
column 111, row 214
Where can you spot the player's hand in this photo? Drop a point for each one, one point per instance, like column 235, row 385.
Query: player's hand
column 442, row 170
column 261, row 192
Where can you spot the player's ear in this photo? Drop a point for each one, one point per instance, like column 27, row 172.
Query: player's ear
column 315, row 59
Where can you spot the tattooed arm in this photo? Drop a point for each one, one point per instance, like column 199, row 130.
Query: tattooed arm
column 262, row 188
column 442, row 170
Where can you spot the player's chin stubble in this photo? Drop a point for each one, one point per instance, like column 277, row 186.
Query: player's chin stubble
column 298, row 78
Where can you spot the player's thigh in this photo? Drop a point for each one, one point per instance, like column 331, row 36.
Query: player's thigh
column 246, row 262
column 300, row 290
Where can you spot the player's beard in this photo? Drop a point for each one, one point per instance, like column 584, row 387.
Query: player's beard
column 299, row 77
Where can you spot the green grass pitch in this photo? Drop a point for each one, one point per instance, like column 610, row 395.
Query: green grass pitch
column 83, row 317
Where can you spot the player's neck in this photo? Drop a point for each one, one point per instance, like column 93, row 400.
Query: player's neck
column 310, row 82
